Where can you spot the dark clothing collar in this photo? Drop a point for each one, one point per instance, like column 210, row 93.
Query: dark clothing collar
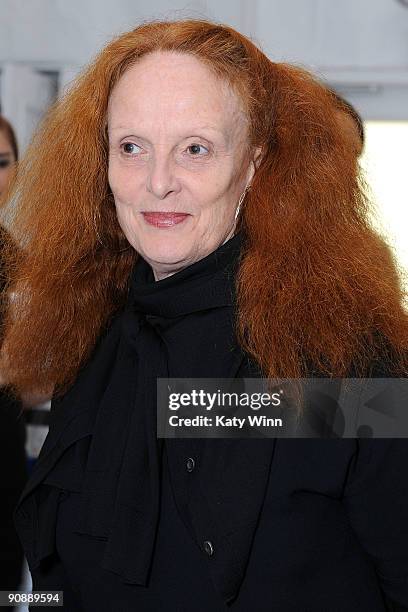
column 207, row 283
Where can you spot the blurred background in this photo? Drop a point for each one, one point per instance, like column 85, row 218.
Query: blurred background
column 359, row 48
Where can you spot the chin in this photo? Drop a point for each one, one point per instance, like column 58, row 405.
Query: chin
column 167, row 250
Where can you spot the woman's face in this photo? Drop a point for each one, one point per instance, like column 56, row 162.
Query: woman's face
column 177, row 161
column 7, row 162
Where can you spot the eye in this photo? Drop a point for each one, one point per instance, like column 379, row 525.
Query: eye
column 130, row 148
column 197, row 150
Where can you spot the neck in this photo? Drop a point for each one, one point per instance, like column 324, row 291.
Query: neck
column 160, row 274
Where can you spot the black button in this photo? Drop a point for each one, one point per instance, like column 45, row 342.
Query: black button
column 190, row 464
column 208, row 547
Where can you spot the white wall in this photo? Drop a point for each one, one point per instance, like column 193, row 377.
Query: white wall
column 359, row 46
column 332, row 35
column 70, row 32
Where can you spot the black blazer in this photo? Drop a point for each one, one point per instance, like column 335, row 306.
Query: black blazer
column 305, row 525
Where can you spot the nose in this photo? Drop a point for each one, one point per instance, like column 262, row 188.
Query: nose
column 161, row 179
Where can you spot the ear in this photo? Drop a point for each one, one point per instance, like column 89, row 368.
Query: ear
column 258, row 153
column 254, row 164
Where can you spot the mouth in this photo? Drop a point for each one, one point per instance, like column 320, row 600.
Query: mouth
column 164, row 219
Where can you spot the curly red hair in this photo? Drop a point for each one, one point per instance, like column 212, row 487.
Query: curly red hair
column 316, row 284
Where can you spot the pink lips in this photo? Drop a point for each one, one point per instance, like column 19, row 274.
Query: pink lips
column 164, row 219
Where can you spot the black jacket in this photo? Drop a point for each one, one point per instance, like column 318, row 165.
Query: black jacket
column 302, row 524
column 292, row 525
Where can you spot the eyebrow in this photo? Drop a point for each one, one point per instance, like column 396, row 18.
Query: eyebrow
column 5, row 154
column 191, row 132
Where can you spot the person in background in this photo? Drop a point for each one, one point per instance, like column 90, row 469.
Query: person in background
column 13, row 460
column 8, row 154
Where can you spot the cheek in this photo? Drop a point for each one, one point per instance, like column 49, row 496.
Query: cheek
column 125, row 184
column 221, row 199
column 125, row 194
column 216, row 190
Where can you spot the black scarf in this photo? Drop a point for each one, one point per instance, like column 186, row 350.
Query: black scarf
column 181, row 326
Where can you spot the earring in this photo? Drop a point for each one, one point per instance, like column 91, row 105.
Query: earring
column 241, row 199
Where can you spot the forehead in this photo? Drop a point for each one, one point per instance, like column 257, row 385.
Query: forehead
column 176, row 87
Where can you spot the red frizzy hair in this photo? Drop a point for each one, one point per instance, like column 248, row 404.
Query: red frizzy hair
column 316, row 285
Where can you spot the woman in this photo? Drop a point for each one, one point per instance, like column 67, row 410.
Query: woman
column 191, row 209
column 8, row 154
column 13, row 462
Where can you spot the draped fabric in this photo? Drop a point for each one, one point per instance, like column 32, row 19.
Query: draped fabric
column 169, row 328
